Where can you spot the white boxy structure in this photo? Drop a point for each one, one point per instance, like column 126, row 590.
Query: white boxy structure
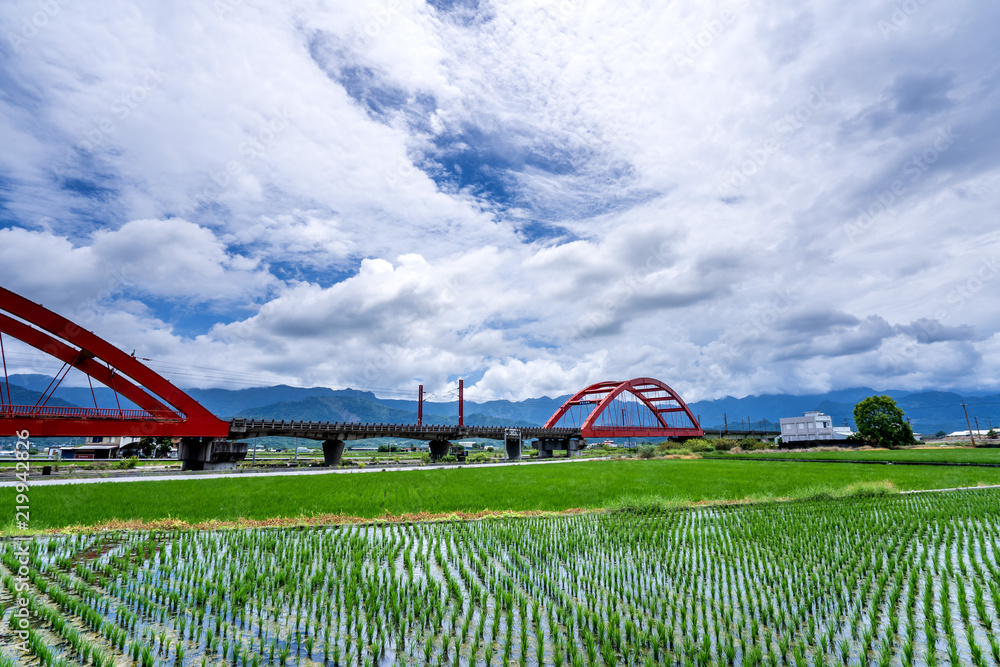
column 812, row 425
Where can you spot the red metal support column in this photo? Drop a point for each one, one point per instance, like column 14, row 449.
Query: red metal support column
column 420, row 406
column 461, row 402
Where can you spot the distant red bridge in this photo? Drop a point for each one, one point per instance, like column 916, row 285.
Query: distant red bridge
column 638, row 408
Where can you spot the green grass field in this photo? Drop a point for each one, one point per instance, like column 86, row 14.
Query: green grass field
column 540, row 487
column 929, row 455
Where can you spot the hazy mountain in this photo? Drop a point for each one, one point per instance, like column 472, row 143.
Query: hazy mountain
column 79, row 396
column 22, row 396
column 928, row 411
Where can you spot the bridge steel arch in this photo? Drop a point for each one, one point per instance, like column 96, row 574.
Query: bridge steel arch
column 657, row 396
column 163, row 409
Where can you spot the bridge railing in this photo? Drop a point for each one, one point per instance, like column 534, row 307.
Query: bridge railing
column 67, row 412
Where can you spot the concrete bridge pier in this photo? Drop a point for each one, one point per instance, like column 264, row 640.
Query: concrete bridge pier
column 439, row 449
column 210, row 453
column 575, row 446
column 547, row 446
column 333, row 452
column 512, row 444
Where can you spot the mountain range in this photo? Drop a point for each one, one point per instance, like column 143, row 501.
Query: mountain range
column 929, row 411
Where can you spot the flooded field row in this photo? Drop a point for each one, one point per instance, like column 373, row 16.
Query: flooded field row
column 896, row 580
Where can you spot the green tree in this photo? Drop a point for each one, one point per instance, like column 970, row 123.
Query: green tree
column 880, row 422
column 148, row 447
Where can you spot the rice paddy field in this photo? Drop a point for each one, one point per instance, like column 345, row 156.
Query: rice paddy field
column 884, row 580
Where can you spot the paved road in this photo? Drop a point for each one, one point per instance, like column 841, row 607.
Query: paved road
column 36, row 480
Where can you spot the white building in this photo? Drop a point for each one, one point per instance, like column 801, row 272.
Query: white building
column 812, row 425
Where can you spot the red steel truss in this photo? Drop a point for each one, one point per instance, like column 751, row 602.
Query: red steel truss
column 163, row 409
column 666, row 414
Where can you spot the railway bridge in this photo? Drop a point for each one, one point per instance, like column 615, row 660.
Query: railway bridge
column 641, row 407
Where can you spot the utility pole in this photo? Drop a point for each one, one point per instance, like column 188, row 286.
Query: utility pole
column 978, row 432
column 725, row 424
column 255, row 450
column 461, row 402
column 749, row 427
column 971, row 437
column 420, row 405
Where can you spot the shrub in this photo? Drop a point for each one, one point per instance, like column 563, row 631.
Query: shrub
column 529, row 453
column 646, row 451
column 127, row 464
column 699, row 445
column 724, row 444
column 448, row 458
column 425, row 458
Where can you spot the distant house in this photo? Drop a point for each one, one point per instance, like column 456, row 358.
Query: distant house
column 979, row 433
column 812, row 425
column 97, row 447
column 90, row 452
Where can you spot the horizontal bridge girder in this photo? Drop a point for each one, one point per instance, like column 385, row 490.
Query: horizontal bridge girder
column 250, row 428
column 40, row 427
column 643, row 433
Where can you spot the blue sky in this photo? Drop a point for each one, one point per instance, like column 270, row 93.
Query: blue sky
column 734, row 196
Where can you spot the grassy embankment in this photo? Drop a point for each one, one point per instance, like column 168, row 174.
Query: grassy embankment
column 924, row 455
column 465, row 490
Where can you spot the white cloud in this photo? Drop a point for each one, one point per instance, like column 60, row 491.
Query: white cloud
column 172, row 259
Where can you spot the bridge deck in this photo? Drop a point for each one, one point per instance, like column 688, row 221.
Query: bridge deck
column 251, row 428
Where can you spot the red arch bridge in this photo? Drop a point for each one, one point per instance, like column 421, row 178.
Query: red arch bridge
column 638, row 408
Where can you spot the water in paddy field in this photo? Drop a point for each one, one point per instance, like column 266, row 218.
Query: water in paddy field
column 895, row 580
